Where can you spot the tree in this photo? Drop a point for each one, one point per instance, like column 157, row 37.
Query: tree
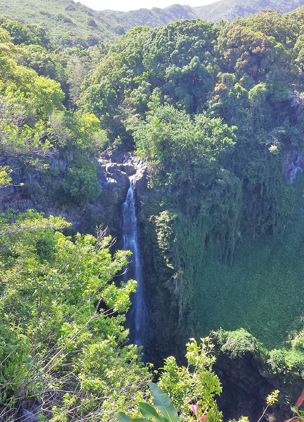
column 243, row 51
column 20, row 33
column 80, row 187
column 183, row 151
column 194, row 384
column 179, row 59
column 54, row 343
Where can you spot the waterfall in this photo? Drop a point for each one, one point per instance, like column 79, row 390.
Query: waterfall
column 136, row 315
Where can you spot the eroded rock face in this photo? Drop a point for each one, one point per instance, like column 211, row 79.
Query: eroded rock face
column 247, row 381
column 114, row 164
column 114, row 170
column 244, row 389
column 294, row 162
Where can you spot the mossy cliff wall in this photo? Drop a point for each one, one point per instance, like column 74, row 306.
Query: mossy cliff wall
column 208, row 266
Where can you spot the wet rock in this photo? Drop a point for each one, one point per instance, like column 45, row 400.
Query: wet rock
column 113, row 179
column 141, row 184
column 129, row 169
column 140, row 177
column 244, row 389
column 115, row 156
column 247, row 381
column 112, row 168
column 293, row 163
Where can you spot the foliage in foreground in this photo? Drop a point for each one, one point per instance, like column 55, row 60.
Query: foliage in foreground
column 194, row 383
column 180, row 387
column 57, row 348
column 163, row 404
column 54, row 345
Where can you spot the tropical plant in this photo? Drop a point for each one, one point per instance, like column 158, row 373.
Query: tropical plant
column 193, row 384
column 179, row 387
column 298, row 415
column 161, row 402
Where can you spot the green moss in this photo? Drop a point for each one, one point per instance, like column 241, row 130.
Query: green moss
column 236, row 343
column 262, row 291
column 192, row 246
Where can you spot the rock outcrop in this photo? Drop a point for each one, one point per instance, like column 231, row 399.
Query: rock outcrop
column 294, row 162
column 113, row 171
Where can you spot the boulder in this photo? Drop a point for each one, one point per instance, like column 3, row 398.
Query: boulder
column 129, row 169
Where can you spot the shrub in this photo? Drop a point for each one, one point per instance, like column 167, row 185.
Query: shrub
column 80, row 187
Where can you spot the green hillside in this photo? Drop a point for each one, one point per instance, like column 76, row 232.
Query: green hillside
column 222, row 227
column 70, row 23
column 151, row 17
column 224, row 9
column 67, row 22
column 231, row 9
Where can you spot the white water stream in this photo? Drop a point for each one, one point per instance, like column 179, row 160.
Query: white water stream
column 136, row 315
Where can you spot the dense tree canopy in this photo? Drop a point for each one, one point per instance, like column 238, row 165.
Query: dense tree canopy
column 34, row 121
column 233, row 72
column 184, row 152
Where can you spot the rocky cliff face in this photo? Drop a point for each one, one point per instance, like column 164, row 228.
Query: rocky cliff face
column 294, row 162
column 246, row 382
column 113, row 172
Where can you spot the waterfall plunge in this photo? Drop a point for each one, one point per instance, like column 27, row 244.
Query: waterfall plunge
column 136, row 315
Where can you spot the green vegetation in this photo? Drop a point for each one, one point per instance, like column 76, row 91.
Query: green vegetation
column 216, row 111
column 58, row 345
column 161, row 402
column 209, row 107
column 179, row 387
column 35, row 123
column 54, row 343
column 258, row 288
column 80, row 186
column 68, row 23
column 227, row 10
column 183, row 151
column 196, row 381
column 150, row 17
